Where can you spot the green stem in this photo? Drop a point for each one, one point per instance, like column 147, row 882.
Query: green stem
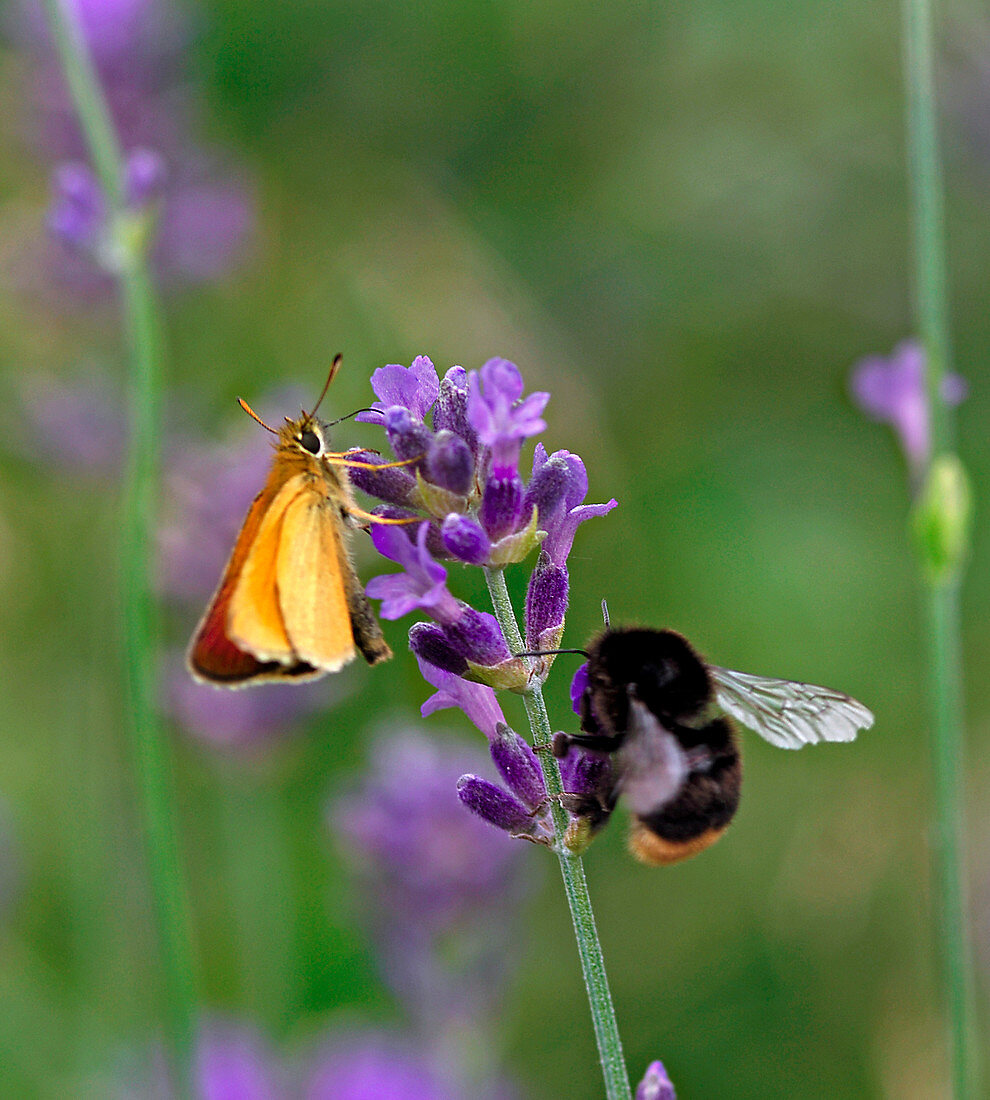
column 947, row 834
column 571, row 868
column 140, row 629
column 942, row 595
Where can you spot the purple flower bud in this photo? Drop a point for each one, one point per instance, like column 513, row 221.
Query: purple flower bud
column 558, row 486
column 408, row 435
column 449, row 463
column 451, row 412
column 546, row 604
column 892, row 390
column 430, row 644
column 501, row 505
column 518, row 766
column 494, row 805
column 423, row 584
column 656, row 1085
column 465, row 539
column 477, row 701
column 549, row 485
column 414, row 388
column 395, row 485
column 477, row 635
column 78, row 212
column 144, row 177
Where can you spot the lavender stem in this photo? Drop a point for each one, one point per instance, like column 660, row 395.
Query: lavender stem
column 942, row 584
column 150, row 748
column 572, row 868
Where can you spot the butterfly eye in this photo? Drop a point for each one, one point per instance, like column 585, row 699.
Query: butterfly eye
column 311, row 442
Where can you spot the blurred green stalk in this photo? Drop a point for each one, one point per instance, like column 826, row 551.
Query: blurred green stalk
column 145, row 346
column 571, row 867
column 941, row 515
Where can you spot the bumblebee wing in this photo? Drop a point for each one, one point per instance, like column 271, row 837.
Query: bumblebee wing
column 314, row 575
column 788, row 714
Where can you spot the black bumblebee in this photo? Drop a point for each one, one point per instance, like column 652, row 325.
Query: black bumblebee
column 665, row 717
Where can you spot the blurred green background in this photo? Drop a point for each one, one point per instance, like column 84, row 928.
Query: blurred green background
column 685, row 221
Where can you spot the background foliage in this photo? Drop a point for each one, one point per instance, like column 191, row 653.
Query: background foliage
column 685, row 222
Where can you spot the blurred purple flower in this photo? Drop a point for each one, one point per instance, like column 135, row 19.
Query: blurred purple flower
column 656, row 1085
column 129, row 40
column 205, row 221
column 424, row 853
column 372, row 1065
column 417, row 852
column 892, row 391
column 75, row 425
column 233, row 1061
column 244, row 719
column 78, row 215
column 205, row 212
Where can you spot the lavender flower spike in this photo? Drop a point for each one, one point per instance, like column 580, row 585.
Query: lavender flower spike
column 423, row 584
column 414, row 388
column 656, row 1085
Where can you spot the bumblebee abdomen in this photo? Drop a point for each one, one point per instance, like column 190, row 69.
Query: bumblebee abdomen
column 649, row 847
column 696, row 817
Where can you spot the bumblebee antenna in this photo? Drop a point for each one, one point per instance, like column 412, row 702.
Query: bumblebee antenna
column 552, row 653
column 254, row 416
column 605, row 613
column 334, row 367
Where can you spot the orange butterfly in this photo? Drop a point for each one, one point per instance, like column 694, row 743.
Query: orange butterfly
column 289, row 605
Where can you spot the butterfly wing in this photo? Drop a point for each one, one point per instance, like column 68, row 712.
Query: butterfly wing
column 221, row 656
column 313, row 575
column 789, row 714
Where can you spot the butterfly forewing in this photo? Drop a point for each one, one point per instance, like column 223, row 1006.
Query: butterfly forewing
column 788, row 714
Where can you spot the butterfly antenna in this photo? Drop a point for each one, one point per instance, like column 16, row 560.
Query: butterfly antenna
column 334, row 367
column 605, row 613
column 254, row 416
